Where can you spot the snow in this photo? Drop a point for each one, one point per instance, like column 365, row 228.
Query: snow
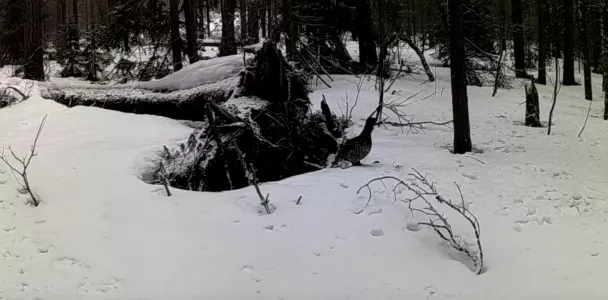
column 197, row 74
column 102, row 233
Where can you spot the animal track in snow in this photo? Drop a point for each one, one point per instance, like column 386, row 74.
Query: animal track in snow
column 376, row 232
column 271, row 227
column 375, row 211
column 22, row 287
column 470, row 176
column 103, row 286
column 250, row 271
column 8, row 255
column 71, row 264
column 45, row 250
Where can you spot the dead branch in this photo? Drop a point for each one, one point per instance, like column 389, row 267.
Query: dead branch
column 586, row 119
column 426, row 191
column 21, row 175
column 164, row 178
column 251, row 177
column 347, row 109
column 403, row 120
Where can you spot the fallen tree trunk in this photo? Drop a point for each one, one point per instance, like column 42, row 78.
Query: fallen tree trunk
column 181, row 105
column 267, row 122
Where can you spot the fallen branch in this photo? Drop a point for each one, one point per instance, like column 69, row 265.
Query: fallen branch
column 424, row 190
column 25, row 163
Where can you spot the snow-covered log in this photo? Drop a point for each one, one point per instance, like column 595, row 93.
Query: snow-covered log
column 181, row 95
column 182, row 104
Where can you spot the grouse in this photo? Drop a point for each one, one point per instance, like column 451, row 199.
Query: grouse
column 357, row 148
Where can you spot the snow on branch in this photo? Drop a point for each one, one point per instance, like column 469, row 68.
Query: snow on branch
column 20, row 173
column 426, row 192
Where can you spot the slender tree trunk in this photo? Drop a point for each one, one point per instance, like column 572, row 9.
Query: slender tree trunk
column 365, row 33
column 86, row 15
column 190, row 31
column 604, row 8
column 92, row 76
column 270, row 9
column 228, row 44
column 34, row 47
column 517, row 16
column 262, row 11
column 208, row 11
column 290, row 29
column 460, row 106
column 176, row 41
column 584, row 25
column 244, row 25
column 420, row 54
column 62, row 37
column 253, row 22
column 75, row 12
column 568, row 76
column 542, row 45
column 200, row 8
column 414, row 33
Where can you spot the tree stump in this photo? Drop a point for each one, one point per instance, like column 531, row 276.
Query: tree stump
column 532, row 106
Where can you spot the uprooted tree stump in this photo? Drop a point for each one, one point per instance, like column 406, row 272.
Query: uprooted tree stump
column 267, row 119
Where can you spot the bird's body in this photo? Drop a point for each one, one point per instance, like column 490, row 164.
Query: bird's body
column 357, row 148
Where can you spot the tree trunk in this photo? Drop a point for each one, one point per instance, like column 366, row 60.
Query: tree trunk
column 290, row 29
column 568, row 76
column 190, row 31
column 365, row 33
column 262, row 11
column 62, row 37
column 200, row 8
column 253, row 19
column 584, row 25
column 176, row 41
column 605, row 55
column 532, row 107
column 244, row 24
column 208, row 11
column 542, row 45
column 34, row 47
column 228, row 44
column 517, row 17
column 92, row 76
column 270, row 8
column 460, row 106
column 75, row 12
column 502, row 10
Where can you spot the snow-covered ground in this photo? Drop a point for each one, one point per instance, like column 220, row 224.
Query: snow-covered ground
column 102, row 233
